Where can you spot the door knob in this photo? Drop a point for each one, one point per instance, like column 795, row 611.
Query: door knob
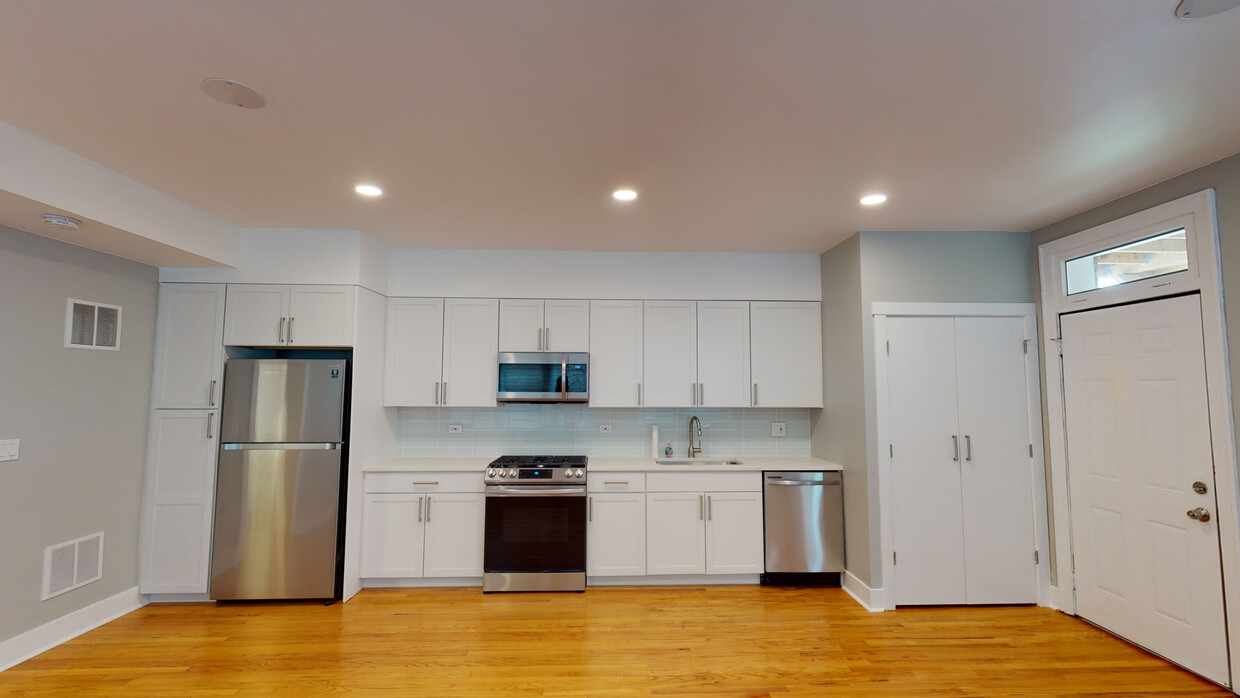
column 1200, row 487
column 1199, row 514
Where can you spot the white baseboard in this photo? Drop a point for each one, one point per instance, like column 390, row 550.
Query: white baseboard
column 674, row 580
column 870, row 599
column 416, row 582
column 18, row 649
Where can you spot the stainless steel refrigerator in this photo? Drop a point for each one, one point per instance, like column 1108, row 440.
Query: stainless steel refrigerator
column 279, row 480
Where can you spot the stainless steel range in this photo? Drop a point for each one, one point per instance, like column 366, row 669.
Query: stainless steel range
column 535, row 524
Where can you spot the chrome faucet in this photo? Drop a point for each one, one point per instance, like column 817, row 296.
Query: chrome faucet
column 694, row 450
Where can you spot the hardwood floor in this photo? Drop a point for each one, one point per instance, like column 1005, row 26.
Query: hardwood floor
column 610, row 641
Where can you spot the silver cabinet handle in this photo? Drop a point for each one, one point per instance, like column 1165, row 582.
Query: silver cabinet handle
column 701, row 395
column 589, row 508
column 1199, row 514
column 434, row 483
column 420, row 509
column 700, row 497
column 436, row 392
column 210, row 419
column 708, row 507
column 444, row 401
column 755, row 394
column 639, row 394
column 968, row 447
column 547, row 338
column 955, row 448
column 290, row 330
column 615, row 482
column 693, row 393
column 280, row 336
column 428, row 509
column 211, row 395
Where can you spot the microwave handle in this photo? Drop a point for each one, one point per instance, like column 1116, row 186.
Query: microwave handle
column 564, row 377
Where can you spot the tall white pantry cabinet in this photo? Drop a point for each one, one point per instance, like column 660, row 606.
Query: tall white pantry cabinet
column 961, row 453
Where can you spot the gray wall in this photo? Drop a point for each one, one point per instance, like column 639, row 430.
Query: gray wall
column 81, row 416
column 837, row 431
column 882, row 266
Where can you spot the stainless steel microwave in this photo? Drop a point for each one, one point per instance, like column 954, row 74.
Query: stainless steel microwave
column 543, row 376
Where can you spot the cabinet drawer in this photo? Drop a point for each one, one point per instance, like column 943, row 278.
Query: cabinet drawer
column 704, row 482
column 423, row 482
column 615, row 482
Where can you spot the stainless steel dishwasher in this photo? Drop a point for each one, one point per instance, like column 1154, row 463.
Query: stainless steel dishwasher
column 804, row 521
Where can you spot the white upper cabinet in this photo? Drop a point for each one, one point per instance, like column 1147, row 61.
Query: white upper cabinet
column 723, row 354
column 786, row 340
column 470, row 341
column 414, row 357
column 189, row 351
column 535, row 325
column 670, row 372
column 266, row 315
column 616, row 354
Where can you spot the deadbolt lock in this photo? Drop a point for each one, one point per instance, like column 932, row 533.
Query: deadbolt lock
column 1199, row 514
column 1200, row 487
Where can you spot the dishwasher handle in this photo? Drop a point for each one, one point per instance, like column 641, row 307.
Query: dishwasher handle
column 803, row 483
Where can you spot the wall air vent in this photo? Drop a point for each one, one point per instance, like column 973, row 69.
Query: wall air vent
column 91, row 325
column 67, row 566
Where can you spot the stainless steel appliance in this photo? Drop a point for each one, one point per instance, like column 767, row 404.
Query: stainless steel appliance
column 543, row 376
column 283, row 431
column 535, row 536
column 804, row 517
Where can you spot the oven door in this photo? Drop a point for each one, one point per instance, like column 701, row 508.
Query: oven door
column 535, row 528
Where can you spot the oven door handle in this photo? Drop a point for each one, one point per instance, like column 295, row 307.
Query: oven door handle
column 534, row 491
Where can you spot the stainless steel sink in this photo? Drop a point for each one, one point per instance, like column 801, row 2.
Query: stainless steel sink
column 699, row 461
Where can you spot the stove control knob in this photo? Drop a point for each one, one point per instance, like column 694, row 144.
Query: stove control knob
column 579, row 473
column 568, row 472
column 491, row 472
column 512, row 473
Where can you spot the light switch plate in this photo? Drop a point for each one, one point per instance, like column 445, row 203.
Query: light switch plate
column 8, row 449
column 779, row 429
column 454, row 428
column 604, row 428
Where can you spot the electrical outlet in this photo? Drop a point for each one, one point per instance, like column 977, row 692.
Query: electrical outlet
column 454, row 428
column 604, row 428
column 8, row 449
column 779, row 429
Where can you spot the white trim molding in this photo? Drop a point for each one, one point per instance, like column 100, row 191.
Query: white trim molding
column 1195, row 213
column 871, row 599
column 1037, row 461
column 38, row 640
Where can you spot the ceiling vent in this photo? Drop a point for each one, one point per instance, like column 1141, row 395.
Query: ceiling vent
column 70, row 565
column 92, row 325
column 1197, row 9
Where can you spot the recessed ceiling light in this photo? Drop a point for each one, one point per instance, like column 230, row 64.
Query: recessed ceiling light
column 873, row 199
column 233, row 92
column 624, row 195
column 368, row 190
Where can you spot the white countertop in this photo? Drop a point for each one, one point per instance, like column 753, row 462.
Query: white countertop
column 607, row 464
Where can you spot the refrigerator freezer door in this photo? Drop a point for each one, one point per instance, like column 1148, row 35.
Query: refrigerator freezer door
column 283, row 401
column 276, row 524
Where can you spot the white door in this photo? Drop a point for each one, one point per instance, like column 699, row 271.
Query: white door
column 189, row 346
column 615, row 353
column 786, row 341
column 996, row 478
column 670, row 372
column 1138, row 438
column 616, row 537
column 454, row 526
column 392, row 535
column 413, row 361
column 675, row 533
column 567, row 325
column 256, row 315
column 320, row 316
column 925, row 461
column 520, row 325
column 470, row 342
column 723, row 353
column 734, row 533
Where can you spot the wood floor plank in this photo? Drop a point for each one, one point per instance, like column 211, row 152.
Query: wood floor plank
column 610, row 641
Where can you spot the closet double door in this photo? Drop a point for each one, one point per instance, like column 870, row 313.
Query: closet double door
column 960, row 452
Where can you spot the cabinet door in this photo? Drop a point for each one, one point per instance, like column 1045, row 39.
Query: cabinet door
column 454, row 526
column 177, row 501
column 676, row 527
column 413, row 361
column 996, row 479
column 189, row 346
column 723, row 354
column 320, row 316
column 734, row 533
column 256, row 315
column 567, row 325
column 615, row 353
column 520, row 325
column 616, row 537
column 470, row 341
column 928, row 526
column 670, row 372
column 786, row 340
column 392, row 535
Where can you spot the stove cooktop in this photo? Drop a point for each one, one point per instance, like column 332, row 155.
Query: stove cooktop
column 537, row 470
column 541, row 461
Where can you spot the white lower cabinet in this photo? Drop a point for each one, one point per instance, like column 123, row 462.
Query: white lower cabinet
column 708, row 523
column 616, row 520
column 422, row 531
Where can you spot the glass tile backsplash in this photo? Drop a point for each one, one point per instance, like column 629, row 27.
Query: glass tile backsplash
column 559, row 429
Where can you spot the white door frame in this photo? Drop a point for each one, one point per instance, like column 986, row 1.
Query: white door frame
column 1037, row 469
column 1196, row 213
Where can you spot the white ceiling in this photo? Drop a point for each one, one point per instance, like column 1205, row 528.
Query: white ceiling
column 745, row 125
